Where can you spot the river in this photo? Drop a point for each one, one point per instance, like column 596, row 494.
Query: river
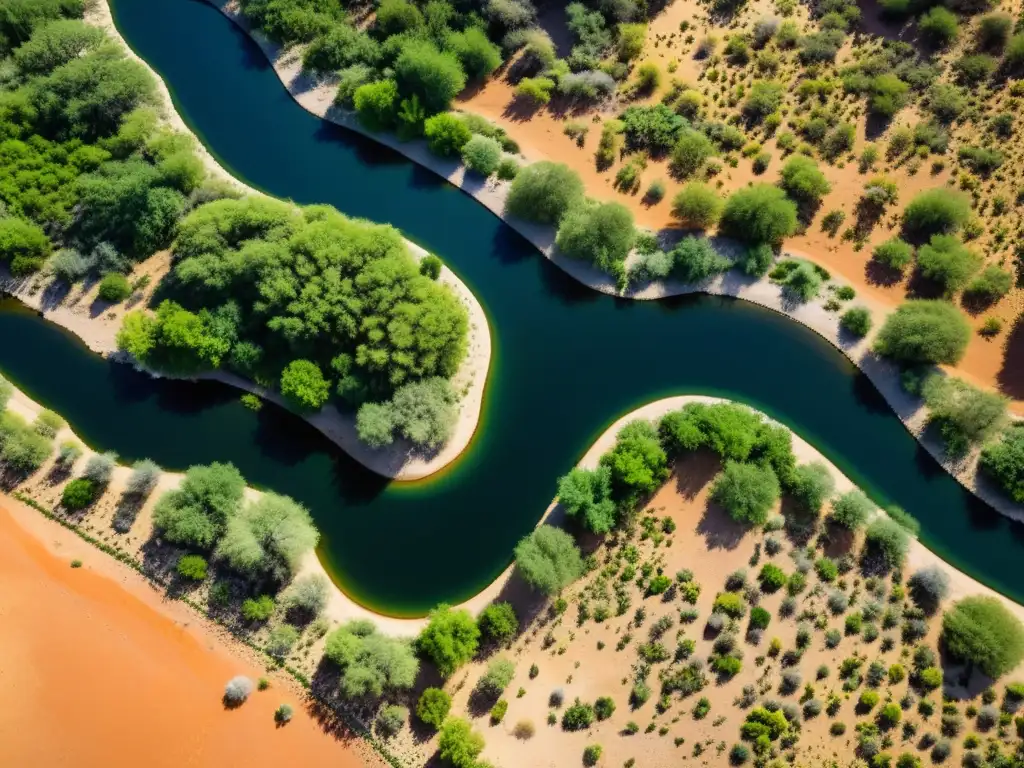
column 567, row 361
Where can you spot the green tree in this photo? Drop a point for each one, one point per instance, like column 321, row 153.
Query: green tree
column 371, row 663
column 981, row 632
column 377, row 104
column 586, row 495
column 851, row 510
column 446, row 134
column 690, row 152
column 304, row 386
column 938, row 26
column 433, row 707
column 114, row 288
column 857, row 321
column 893, row 253
column 966, row 416
column 78, row 494
column 601, row 233
column 1003, row 462
column 697, row 205
column 56, row 43
column 435, row 77
column 450, row 639
column 544, row 192
column 23, row 245
column 763, row 99
column 803, row 180
column 948, row 262
column 268, row 537
column 482, row 154
column 637, row 462
column 192, row 567
column 498, row 623
column 924, row 331
column 548, row 559
column 936, row 212
column 812, row 486
column 478, row 55
column 397, row 16
column 886, row 542
column 459, row 744
column 759, row 214
column 195, row 513
column 748, row 492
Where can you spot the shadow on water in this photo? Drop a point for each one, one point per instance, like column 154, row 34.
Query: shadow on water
column 567, row 360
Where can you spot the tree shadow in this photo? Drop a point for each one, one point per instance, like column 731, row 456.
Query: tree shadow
column 718, row 529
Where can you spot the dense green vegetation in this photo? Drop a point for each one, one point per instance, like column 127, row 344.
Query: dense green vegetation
column 924, row 331
column 980, row 631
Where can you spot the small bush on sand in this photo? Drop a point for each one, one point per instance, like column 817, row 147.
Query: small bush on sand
column 237, row 690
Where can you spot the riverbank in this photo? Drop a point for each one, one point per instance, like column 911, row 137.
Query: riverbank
column 81, row 642
column 316, row 96
column 97, row 324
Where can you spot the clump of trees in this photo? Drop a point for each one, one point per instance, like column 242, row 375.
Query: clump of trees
column 936, row 212
column 423, row 412
column 965, row 415
column 1003, row 462
column 748, row 492
column 316, row 325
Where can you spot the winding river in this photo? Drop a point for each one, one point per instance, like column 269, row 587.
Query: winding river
column 567, row 361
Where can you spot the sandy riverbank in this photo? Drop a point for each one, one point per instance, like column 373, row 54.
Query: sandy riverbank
column 97, row 326
column 99, row 669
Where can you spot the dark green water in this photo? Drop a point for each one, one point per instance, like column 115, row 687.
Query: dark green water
column 567, row 361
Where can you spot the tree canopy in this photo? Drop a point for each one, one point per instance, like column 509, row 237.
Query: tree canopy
column 548, row 559
column 371, row 663
column 450, row 638
column 981, row 632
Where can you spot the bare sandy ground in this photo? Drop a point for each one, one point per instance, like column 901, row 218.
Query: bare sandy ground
column 99, row 670
column 97, row 326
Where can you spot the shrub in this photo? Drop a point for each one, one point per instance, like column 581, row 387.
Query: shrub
column 991, row 285
column 812, row 485
column 695, row 259
column 79, row 494
column 690, row 152
column 604, row 707
column 268, row 536
column 936, row 212
column 966, row 416
column 993, row 31
column 763, row 99
column 307, row 594
column 192, row 567
column 548, row 559
column 544, row 192
column 304, row 386
column 143, row 479
column 981, row 631
column 377, row 104
column 826, row 569
column 803, row 180
column 924, row 331
column 23, row 245
column 856, row 321
column 430, row 266
column 281, row 640
column 459, row 744
column 578, row 716
column 498, row 623
column 446, row 134
column 759, row 214
column 746, row 491
column 449, row 639
column 948, row 262
column 772, row 578
column 601, row 234
column 114, row 288
column 370, row 662
column 938, row 26
column 496, row 678
column 433, row 76
column 258, row 609
column 759, row 618
column 592, row 754
column 852, row 510
column 887, row 542
column 730, row 604
column 433, row 707
column 482, row 154
column 893, row 253
column 423, row 412
column 697, row 205
column 194, row 514
column 237, row 690
column 1003, row 462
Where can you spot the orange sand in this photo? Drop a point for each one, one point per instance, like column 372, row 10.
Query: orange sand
column 96, row 669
